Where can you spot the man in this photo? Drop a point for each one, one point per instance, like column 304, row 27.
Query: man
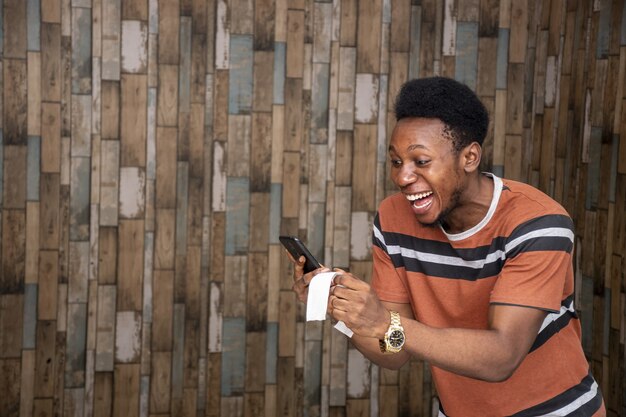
column 471, row 273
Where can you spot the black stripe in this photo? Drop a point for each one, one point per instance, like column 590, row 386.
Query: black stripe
column 556, row 326
column 543, row 243
column 480, row 253
column 565, row 398
column 589, row 407
column 438, row 270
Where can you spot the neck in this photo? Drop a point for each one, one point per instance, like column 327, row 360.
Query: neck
column 472, row 207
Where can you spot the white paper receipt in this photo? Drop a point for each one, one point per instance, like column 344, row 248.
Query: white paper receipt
column 317, row 300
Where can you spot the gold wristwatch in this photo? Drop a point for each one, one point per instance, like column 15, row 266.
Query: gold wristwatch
column 394, row 338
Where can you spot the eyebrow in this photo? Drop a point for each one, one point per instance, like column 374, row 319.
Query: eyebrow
column 410, row 148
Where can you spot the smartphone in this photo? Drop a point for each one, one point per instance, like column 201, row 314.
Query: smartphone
column 297, row 249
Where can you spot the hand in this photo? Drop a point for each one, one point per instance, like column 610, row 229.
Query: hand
column 300, row 279
column 354, row 302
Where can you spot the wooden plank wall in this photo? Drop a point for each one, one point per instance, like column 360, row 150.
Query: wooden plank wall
column 152, row 151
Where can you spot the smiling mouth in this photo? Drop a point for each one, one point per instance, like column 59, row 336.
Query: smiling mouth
column 416, row 199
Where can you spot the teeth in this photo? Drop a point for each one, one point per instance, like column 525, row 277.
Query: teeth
column 414, row 197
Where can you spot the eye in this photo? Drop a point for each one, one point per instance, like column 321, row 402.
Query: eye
column 396, row 162
column 422, row 162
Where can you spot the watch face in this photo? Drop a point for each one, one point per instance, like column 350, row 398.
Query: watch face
column 396, row 338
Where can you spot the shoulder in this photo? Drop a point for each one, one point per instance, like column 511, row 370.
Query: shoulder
column 527, row 201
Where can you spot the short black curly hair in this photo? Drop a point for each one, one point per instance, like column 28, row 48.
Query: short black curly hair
column 448, row 100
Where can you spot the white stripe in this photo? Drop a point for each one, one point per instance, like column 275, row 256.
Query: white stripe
column 547, row 232
column 554, row 316
column 478, row 264
column 576, row 404
column 440, row 414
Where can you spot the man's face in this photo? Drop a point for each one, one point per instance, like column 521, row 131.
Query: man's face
column 426, row 168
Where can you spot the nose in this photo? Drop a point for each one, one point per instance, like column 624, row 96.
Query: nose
column 406, row 175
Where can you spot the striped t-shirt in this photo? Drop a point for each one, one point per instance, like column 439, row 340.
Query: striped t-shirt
column 519, row 254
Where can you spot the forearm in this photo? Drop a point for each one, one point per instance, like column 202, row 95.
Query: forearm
column 480, row 354
column 370, row 348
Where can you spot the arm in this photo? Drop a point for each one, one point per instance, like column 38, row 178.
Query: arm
column 492, row 354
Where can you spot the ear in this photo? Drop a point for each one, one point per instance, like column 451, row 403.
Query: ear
column 470, row 157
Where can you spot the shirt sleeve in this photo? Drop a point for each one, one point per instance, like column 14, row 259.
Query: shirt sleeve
column 538, row 270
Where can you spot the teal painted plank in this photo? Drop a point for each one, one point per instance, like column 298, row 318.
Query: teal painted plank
column 604, row 35
column 502, row 58
column 271, row 353
column 498, row 170
column 623, row 40
column 30, row 316
column 414, row 49
column 237, row 215
column 233, row 356
column 33, row 17
column 81, row 50
column 182, row 192
column 148, row 259
column 1, row 139
column 241, row 74
column 1, row 29
column 607, row 321
column 75, row 342
column 586, row 309
column 614, row 162
column 79, row 198
column 279, row 72
column 593, row 179
column 319, row 103
column 184, row 77
column 313, row 380
column 33, row 171
column 315, row 237
column 276, row 198
column 178, row 352
column 466, row 62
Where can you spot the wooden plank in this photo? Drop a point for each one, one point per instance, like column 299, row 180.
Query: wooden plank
column 291, row 184
column 132, row 199
column 10, row 373
column 103, row 394
column 263, row 83
column 287, row 325
column 13, row 252
column 518, row 33
column 220, row 106
column 198, row 65
column 295, row 44
column 133, row 120
column 127, row 337
column 15, row 102
column 105, row 329
column 487, row 59
column 241, row 17
column 81, row 50
column 126, row 390
column 163, row 307
column 167, row 101
column 363, row 181
column 135, row 10
column 261, row 149
column 15, row 173
column 166, row 167
column 349, row 19
column 368, row 36
column 400, row 26
column 169, row 32
column 264, row 24
column 233, row 357
column 130, row 264
column 15, row 25
column 293, row 114
column 134, row 53
column 50, row 62
column 79, row 199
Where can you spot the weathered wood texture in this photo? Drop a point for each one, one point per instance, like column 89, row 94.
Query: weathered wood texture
column 151, row 152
